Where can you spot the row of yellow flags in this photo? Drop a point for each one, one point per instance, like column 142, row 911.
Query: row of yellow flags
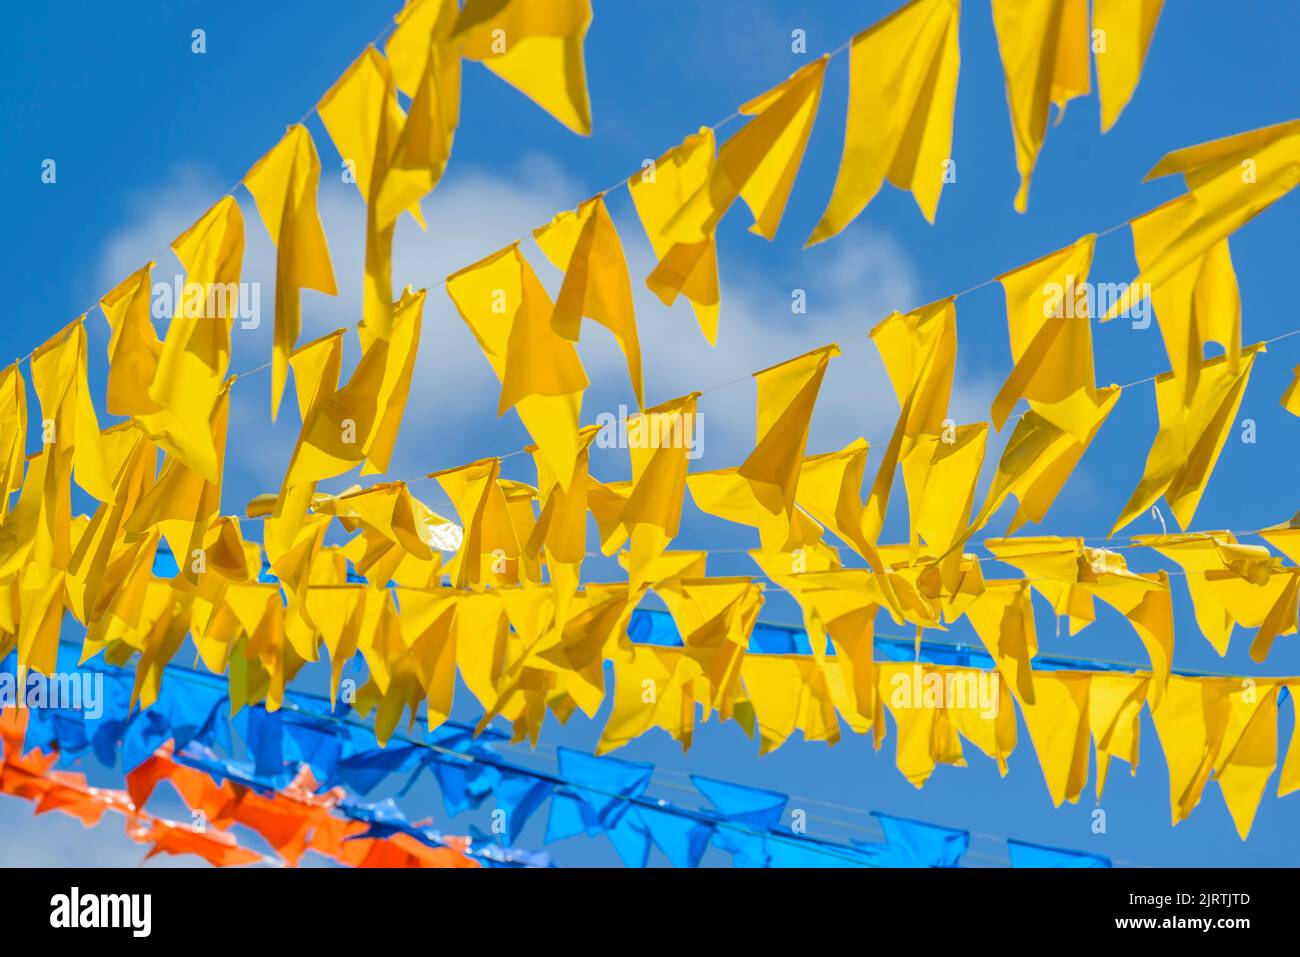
column 171, row 388
column 164, row 386
column 528, row 648
column 551, row 640
column 899, row 124
column 175, row 394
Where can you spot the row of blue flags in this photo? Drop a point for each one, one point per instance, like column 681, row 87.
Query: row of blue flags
column 588, row 795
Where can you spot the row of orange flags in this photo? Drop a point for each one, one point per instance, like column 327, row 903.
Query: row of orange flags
column 293, row 820
column 32, row 777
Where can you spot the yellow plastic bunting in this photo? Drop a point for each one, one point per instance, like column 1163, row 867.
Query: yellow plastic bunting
column 1122, row 30
column 919, row 350
column 195, row 355
column 688, row 269
column 585, row 245
column 1200, row 303
column 759, row 163
column 1231, row 181
column 359, row 421
column 505, row 306
column 284, row 184
column 363, row 118
column 1190, row 437
column 902, row 92
column 536, row 48
column 1044, row 47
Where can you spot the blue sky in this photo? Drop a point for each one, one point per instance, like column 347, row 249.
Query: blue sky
column 147, row 135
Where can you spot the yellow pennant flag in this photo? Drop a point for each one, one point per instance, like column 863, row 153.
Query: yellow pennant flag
column 505, row 306
column 427, row 622
column 1070, row 575
column 426, row 66
column 133, row 347
column 919, row 350
column 836, row 607
column 388, row 511
column 360, row 420
column 13, row 434
column 1291, row 397
column 70, row 429
column 183, row 502
column 316, row 366
column 1044, row 47
column 1208, row 560
column 787, row 395
column 902, row 91
column 1036, row 463
column 293, row 538
column 422, row 31
column 1059, row 727
column 1146, row 601
column 730, row 496
column 660, row 444
column 671, row 708
column 714, row 617
column 759, row 163
column 101, row 559
column 561, row 527
column 536, row 48
column 1190, row 437
column 338, row 612
column 1051, row 340
column 1003, row 617
column 1122, row 30
column 830, row 491
column 761, row 491
column 40, row 613
column 284, row 184
column 585, row 245
column 1249, row 755
column 363, row 118
column 1198, row 304
column 688, row 269
column 481, row 632
column 1283, row 617
column 672, row 564
column 940, row 473
column 789, row 693
column 26, row 536
column 489, row 534
column 196, row 350
column 395, row 383
column 917, row 697
column 1114, row 713
column 1218, row 727
column 1231, row 181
